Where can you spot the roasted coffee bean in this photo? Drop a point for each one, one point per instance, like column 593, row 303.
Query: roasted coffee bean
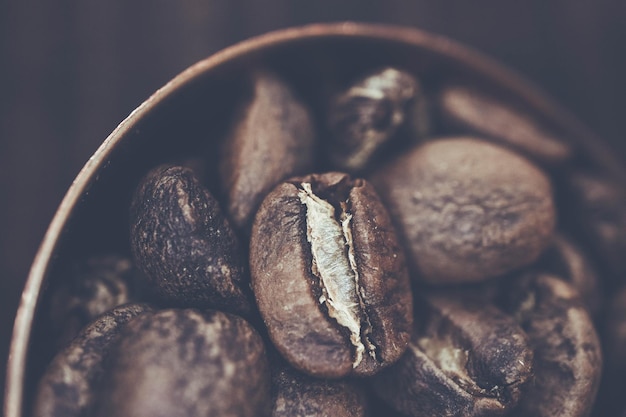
column 465, row 109
column 568, row 357
column 597, row 207
column 566, row 260
column 464, row 359
column 184, row 245
column 92, row 287
column 367, row 115
column 186, row 363
column 71, row 382
column 329, row 276
column 272, row 139
column 299, row 395
column 467, row 210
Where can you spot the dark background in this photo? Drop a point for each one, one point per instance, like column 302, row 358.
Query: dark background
column 70, row 71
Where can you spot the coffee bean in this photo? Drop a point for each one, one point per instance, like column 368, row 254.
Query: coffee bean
column 184, row 363
column 467, row 210
column 464, row 359
column 91, row 287
column 272, row 139
column 184, row 245
column 367, row 115
column 329, row 276
column 568, row 357
column 299, row 395
column 71, row 382
column 464, row 109
column 565, row 259
column 597, row 208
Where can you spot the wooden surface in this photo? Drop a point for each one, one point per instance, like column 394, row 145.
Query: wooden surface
column 70, row 71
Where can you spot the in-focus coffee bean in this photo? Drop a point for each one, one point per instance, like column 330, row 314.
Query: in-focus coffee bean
column 329, row 276
column 184, row 245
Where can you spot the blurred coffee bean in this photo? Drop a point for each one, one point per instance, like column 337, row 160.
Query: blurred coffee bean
column 184, row 245
column 299, row 395
column 597, row 207
column 568, row 357
column 185, row 363
column 329, row 276
column 90, row 288
column 464, row 359
column 367, row 115
column 465, row 109
column 272, row 139
column 566, row 260
column 467, row 210
column 71, row 381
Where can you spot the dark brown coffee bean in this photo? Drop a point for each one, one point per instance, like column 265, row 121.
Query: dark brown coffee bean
column 566, row 260
column 71, row 382
column 184, row 363
column 597, row 206
column 467, row 209
column 184, row 245
column 568, row 357
column 299, row 395
column 465, row 109
column 367, row 115
column 329, row 276
column 91, row 287
column 272, row 139
column 464, row 359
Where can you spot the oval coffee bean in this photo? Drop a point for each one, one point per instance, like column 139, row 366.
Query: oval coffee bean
column 568, row 357
column 298, row 395
column 565, row 259
column 92, row 287
column 597, row 208
column 467, row 110
column 366, row 116
column 184, row 245
column 72, row 380
column 464, row 359
column 329, row 276
column 184, row 363
column 468, row 210
column 272, row 139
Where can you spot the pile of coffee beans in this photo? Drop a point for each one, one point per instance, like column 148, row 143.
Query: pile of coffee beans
column 391, row 249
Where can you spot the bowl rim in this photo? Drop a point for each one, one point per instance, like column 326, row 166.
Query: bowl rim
column 410, row 36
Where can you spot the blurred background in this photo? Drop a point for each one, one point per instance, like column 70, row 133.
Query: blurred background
column 70, row 71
